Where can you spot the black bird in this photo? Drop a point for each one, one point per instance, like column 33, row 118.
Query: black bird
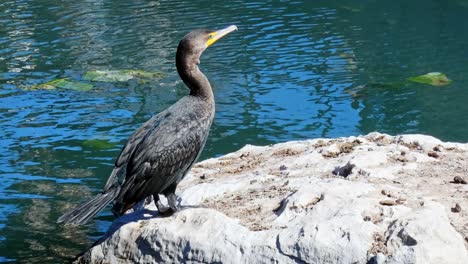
column 160, row 153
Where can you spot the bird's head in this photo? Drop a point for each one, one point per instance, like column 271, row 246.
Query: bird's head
column 194, row 43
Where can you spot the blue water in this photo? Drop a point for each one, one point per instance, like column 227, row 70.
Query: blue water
column 294, row 70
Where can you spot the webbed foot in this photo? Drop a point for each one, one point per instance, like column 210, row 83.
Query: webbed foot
column 166, row 210
column 172, row 201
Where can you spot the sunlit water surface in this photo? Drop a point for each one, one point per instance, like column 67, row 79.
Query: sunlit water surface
column 294, row 70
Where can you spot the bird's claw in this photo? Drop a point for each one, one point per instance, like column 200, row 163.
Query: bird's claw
column 172, row 201
column 168, row 210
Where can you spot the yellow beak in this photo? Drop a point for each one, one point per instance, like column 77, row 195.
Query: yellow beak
column 214, row 36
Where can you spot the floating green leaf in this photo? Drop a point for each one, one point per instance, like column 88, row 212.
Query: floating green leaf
column 432, row 78
column 120, row 75
column 62, row 83
column 357, row 91
column 99, row 144
column 351, row 9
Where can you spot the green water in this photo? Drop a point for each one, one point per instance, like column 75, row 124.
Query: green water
column 294, row 70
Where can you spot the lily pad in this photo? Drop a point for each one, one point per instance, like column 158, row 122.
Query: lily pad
column 351, row 9
column 62, row 83
column 99, row 144
column 432, row 78
column 120, row 75
column 357, row 91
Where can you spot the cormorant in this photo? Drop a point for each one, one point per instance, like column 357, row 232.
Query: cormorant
column 159, row 154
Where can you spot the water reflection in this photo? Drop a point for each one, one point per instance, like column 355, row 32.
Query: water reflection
column 294, row 70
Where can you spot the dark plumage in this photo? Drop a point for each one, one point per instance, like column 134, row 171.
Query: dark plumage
column 160, row 153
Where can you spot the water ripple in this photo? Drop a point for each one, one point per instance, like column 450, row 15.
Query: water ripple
column 294, row 70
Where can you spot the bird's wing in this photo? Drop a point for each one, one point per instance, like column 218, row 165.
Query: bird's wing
column 159, row 153
column 164, row 156
column 118, row 174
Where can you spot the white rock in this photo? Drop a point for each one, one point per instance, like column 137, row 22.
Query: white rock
column 425, row 236
column 282, row 204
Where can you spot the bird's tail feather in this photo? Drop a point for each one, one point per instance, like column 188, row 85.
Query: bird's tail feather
column 87, row 210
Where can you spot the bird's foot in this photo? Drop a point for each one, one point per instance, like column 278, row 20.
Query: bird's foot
column 167, row 210
column 164, row 210
column 172, row 201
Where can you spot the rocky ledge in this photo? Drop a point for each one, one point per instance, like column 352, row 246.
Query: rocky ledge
column 367, row 199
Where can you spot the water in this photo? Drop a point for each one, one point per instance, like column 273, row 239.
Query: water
column 288, row 74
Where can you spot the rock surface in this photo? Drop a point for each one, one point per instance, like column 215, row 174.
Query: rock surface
column 370, row 199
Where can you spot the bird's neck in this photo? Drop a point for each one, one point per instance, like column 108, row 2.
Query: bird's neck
column 192, row 76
